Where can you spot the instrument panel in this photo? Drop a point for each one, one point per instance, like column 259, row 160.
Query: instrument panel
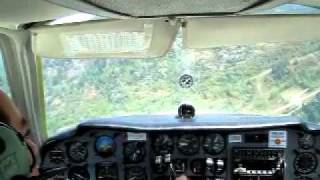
column 273, row 153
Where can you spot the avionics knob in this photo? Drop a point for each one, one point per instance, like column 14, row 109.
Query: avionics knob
column 158, row 160
column 220, row 166
column 167, row 159
column 210, row 164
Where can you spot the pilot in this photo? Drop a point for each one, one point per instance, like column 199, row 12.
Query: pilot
column 17, row 150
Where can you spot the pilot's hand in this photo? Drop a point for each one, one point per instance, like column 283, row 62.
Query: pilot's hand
column 183, row 177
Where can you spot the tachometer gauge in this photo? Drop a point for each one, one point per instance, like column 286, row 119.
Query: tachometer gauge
column 188, row 144
column 78, row 173
column 134, row 152
column 78, row 152
column 163, row 144
column 305, row 163
column 306, row 141
column 213, row 144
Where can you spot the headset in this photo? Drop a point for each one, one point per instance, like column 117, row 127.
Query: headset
column 14, row 154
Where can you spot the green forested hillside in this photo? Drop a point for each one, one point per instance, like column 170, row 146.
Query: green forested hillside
column 268, row 78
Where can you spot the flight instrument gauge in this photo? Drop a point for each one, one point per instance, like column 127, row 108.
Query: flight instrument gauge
column 188, row 144
column 134, row 152
column 213, row 144
column 77, row 151
column 306, row 141
column 163, row 144
column 105, row 145
column 305, row 163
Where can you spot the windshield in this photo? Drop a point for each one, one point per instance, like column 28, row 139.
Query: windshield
column 266, row 78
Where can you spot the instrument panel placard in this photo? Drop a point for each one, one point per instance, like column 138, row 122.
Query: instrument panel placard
column 235, row 138
column 136, row 136
column 277, row 139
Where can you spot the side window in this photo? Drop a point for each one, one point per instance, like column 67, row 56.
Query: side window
column 4, row 86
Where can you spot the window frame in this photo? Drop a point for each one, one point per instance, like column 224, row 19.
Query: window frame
column 23, row 79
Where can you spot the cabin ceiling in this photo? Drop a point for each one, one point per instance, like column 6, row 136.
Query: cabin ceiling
column 14, row 13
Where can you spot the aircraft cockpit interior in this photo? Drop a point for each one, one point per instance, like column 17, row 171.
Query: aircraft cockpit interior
column 160, row 90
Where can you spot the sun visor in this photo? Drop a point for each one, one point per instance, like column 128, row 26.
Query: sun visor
column 221, row 31
column 102, row 39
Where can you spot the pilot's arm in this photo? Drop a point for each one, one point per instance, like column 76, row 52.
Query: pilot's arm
column 11, row 115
